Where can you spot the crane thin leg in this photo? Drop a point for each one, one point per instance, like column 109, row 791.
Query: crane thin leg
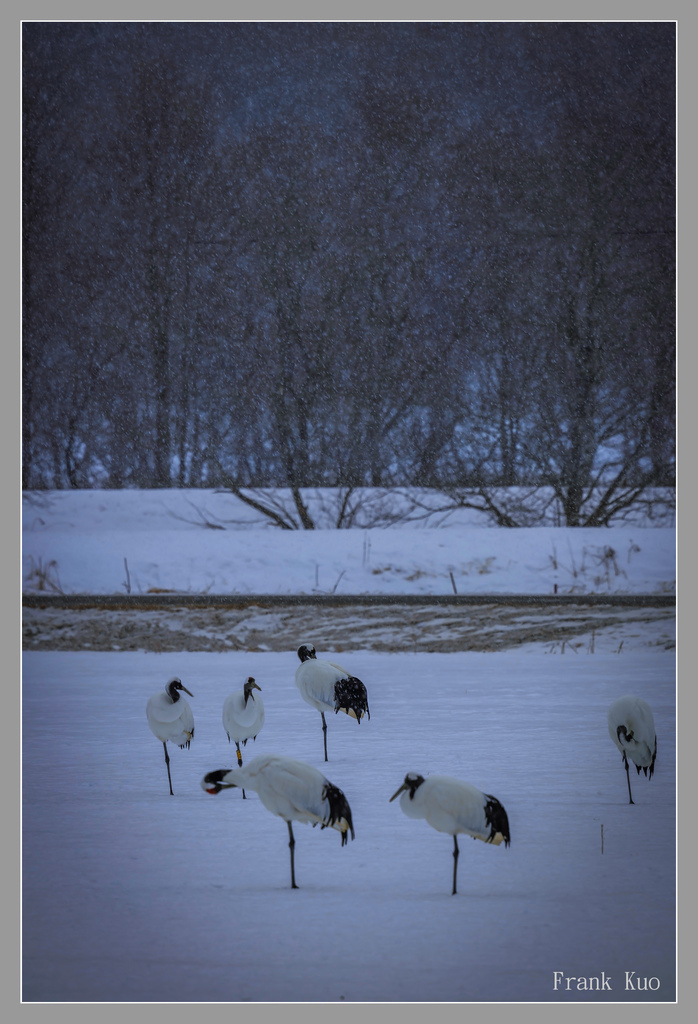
column 240, row 765
column 324, row 731
column 292, row 846
column 627, row 775
column 167, row 762
column 455, row 863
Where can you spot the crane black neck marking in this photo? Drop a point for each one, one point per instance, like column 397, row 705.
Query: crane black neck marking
column 172, row 692
column 413, row 782
column 215, row 778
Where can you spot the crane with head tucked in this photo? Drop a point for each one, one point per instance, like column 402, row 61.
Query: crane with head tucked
column 243, row 716
column 293, row 790
column 170, row 718
column 631, row 727
column 326, row 686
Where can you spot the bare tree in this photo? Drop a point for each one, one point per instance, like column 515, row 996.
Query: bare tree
column 452, row 268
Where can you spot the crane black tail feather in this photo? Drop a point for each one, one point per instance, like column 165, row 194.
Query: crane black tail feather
column 654, row 758
column 339, row 810
column 496, row 818
column 350, row 696
column 187, row 742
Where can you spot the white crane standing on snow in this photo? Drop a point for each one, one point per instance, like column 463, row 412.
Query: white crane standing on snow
column 243, row 716
column 293, row 790
column 170, row 718
column 329, row 687
column 631, row 727
column 452, row 806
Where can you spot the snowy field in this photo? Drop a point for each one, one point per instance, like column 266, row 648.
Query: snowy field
column 105, row 542
column 131, row 895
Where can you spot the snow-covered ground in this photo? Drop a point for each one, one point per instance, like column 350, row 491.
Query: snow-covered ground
column 132, row 895
column 109, row 541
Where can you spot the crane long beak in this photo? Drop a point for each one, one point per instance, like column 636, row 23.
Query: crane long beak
column 402, row 788
column 187, row 691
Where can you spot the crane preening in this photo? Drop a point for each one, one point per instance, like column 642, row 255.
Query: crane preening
column 631, row 727
column 293, row 790
column 326, row 686
column 452, row 806
column 170, row 718
column 243, row 716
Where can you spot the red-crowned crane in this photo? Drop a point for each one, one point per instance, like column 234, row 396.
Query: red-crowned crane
column 243, row 716
column 452, row 806
column 293, row 790
column 170, row 718
column 631, row 727
column 329, row 687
